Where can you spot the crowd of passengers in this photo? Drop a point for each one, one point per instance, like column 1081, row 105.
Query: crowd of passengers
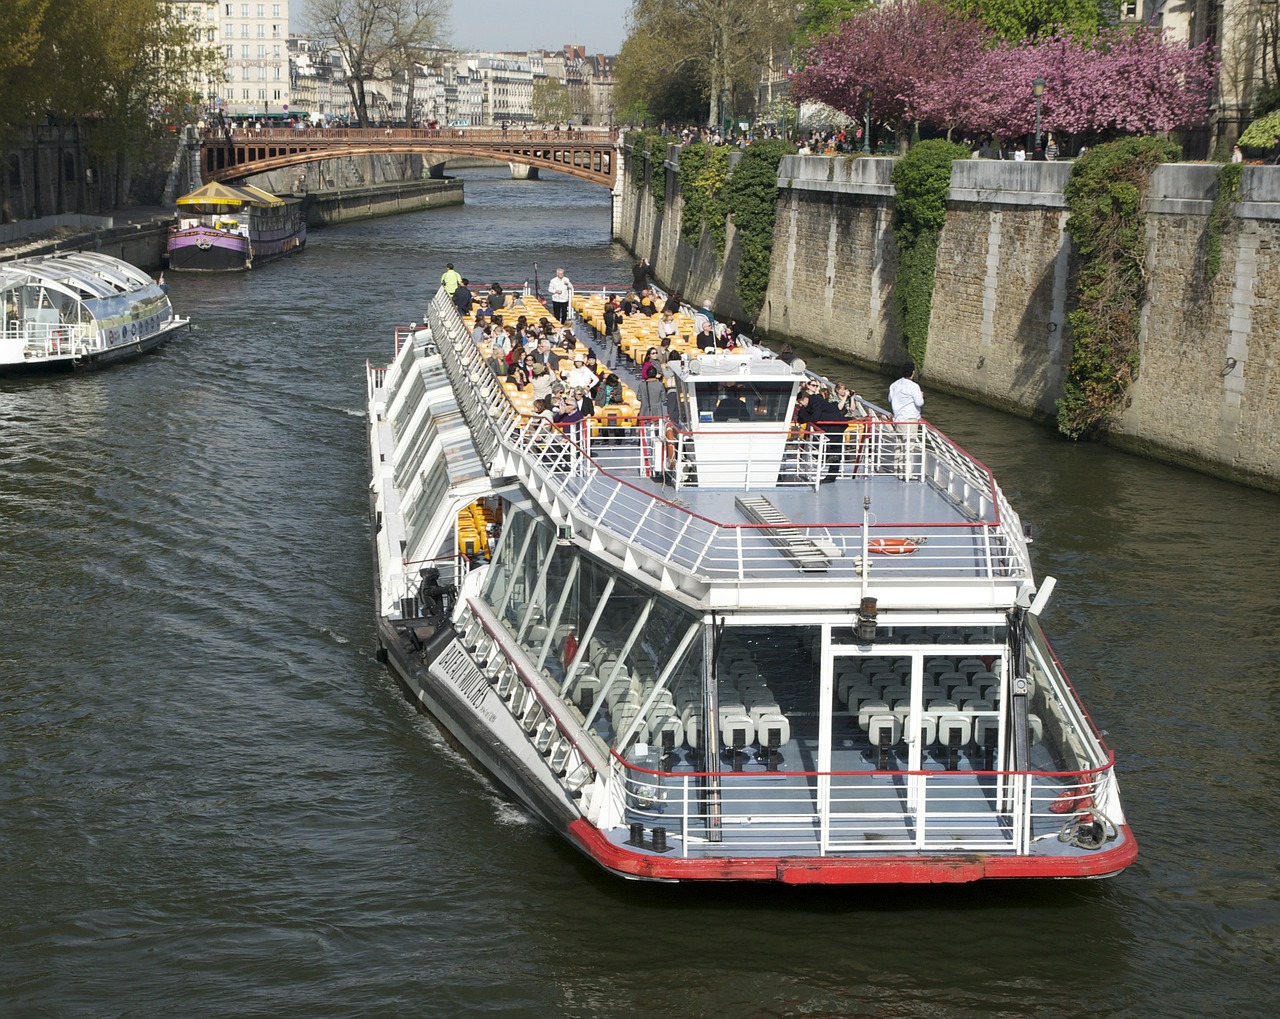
column 569, row 382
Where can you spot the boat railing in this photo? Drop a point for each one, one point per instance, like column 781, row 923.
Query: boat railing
column 58, row 339
column 856, row 812
column 985, row 545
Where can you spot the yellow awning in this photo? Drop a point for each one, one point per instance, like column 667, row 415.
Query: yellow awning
column 217, row 194
column 264, row 197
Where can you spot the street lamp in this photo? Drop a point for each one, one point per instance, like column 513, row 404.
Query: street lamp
column 866, row 127
column 1037, row 90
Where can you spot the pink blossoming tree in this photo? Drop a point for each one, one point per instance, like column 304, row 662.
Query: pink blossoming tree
column 927, row 65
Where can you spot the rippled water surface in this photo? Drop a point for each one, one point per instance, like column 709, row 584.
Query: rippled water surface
column 213, row 801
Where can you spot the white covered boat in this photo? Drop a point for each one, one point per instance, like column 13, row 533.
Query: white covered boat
column 697, row 662
column 78, row 310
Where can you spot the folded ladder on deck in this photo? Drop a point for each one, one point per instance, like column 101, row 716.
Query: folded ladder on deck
column 802, row 550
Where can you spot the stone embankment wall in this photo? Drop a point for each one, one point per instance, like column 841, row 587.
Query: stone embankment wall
column 1208, row 393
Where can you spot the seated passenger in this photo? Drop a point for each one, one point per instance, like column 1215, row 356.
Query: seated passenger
column 732, row 407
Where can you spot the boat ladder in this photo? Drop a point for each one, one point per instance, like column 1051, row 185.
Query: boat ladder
column 802, row 550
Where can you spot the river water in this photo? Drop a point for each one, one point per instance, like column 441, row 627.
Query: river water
column 213, row 800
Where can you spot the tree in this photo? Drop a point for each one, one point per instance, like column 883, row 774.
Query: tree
column 925, row 64
column 551, row 103
column 1016, row 21
column 657, row 79
column 723, row 43
column 820, row 18
column 904, row 52
column 377, row 39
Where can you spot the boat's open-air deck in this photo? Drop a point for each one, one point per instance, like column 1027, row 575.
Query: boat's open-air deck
column 901, row 499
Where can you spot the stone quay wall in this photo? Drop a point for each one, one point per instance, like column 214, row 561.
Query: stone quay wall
column 1208, row 392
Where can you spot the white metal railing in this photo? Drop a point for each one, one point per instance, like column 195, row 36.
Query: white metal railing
column 866, row 812
column 986, row 547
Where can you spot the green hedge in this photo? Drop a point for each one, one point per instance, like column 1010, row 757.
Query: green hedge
column 1106, row 193
column 921, row 179
column 753, row 199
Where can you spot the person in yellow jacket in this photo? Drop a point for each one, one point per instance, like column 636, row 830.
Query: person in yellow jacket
column 450, row 279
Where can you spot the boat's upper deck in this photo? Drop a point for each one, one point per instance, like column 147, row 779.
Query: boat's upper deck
column 729, row 508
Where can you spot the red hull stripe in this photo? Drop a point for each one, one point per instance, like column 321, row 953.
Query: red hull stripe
column 891, row 870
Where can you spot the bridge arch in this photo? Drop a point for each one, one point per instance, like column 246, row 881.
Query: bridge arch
column 587, row 154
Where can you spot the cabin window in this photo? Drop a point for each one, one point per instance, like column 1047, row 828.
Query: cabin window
column 620, row 655
column 733, row 399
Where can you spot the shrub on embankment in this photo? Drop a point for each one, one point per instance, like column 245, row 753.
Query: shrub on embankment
column 1106, row 194
column 921, row 179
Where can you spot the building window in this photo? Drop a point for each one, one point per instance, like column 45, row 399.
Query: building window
column 229, row 51
column 244, row 52
column 244, row 10
column 262, row 51
column 228, row 10
column 275, row 10
column 260, row 11
column 262, row 31
column 262, row 93
column 244, row 31
column 212, row 36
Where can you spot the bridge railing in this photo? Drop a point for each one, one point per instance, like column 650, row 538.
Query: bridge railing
column 495, row 136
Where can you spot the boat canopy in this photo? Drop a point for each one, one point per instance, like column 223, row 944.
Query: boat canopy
column 76, row 303
column 214, row 197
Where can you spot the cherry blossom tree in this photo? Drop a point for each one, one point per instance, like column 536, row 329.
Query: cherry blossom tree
column 903, row 51
column 927, row 65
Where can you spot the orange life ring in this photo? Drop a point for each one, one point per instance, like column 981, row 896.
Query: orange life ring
column 670, row 445
column 1071, row 801
column 892, row 546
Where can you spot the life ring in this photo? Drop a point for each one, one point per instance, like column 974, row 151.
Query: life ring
column 669, row 444
column 1071, row 801
column 893, row 546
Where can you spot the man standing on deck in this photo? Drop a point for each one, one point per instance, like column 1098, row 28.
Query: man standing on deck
column 463, row 298
column 560, row 290
column 906, row 400
column 450, row 279
column 819, row 414
column 640, row 275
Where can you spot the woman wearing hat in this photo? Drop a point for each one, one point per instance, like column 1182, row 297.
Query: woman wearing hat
column 580, row 376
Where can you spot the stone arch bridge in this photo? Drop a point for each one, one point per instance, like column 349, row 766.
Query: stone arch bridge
column 589, row 154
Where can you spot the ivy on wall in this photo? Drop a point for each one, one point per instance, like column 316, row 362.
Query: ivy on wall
column 1225, row 197
column 704, row 172
column 649, row 148
column 1106, row 193
column 753, row 197
column 921, row 179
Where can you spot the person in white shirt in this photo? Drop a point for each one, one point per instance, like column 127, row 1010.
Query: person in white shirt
column 560, row 290
column 580, row 376
column 907, row 403
column 906, row 399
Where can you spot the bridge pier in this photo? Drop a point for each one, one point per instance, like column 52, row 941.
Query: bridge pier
column 523, row 171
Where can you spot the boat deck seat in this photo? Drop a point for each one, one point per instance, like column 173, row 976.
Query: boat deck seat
column 773, row 730
column 868, row 709
column 737, row 730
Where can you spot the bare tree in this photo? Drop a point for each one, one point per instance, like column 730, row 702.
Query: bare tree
column 729, row 40
column 378, row 39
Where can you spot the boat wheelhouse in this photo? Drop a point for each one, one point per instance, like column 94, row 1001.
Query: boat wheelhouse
column 223, row 227
column 696, row 661
column 77, row 310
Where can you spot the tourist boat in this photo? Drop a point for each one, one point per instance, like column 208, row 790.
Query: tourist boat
column 690, row 657
column 76, row 310
column 221, row 227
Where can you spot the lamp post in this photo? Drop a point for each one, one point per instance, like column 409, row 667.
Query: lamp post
column 1037, row 90
column 866, row 127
